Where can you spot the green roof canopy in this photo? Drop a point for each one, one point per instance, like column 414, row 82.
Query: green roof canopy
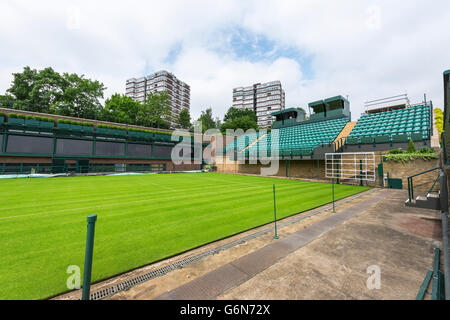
column 446, row 72
column 284, row 111
column 336, row 98
column 315, row 103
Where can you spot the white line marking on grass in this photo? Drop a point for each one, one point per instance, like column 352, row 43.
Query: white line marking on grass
column 253, row 188
column 143, row 194
column 107, row 204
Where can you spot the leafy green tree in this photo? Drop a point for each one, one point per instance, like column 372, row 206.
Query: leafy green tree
column 6, row 101
column 80, row 97
column 243, row 123
column 239, row 119
column 35, row 90
column 235, row 113
column 120, row 108
column 155, row 111
column 208, row 121
column 439, row 120
column 184, row 119
column 50, row 92
column 411, row 147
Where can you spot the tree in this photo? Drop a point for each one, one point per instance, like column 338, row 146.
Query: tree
column 37, row 90
column 439, row 121
column 6, row 101
column 80, row 97
column 184, row 119
column 239, row 119
column 207, row 120
column 235, row 113
column 155, row 111
column 50, row 92
column 120, row 108
column 411, row 147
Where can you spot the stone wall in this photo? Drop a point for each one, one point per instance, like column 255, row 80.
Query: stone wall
column 402, row 171
column 315, row 169
column 307, row 169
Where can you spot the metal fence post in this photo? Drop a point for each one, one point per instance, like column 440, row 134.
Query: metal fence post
column 332, row 190
column 444, row 212
column 360, row 173
column 88, row 256
column 275, row 213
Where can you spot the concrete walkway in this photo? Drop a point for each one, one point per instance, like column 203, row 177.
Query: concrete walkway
column 233, row 274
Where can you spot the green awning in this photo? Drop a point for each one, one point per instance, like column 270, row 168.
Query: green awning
column 284, row 111
column 315, row 103
column 336, row 98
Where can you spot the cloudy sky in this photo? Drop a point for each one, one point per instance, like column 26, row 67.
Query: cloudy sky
column 317, row 49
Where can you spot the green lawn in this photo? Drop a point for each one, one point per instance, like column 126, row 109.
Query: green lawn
column 141, row 219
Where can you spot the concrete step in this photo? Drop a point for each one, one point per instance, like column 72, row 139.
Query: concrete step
column 429, row 202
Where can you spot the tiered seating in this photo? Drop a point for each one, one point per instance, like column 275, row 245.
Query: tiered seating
column 302, row 139
column 242, row 141
column 393, row 126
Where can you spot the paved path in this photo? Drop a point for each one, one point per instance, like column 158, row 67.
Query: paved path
column 216, row 282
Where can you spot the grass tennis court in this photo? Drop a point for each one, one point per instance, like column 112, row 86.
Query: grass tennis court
column 141, row 219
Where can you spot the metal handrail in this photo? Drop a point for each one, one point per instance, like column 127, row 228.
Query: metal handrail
column 339, row 144
column 411, row 183
column 434, row 183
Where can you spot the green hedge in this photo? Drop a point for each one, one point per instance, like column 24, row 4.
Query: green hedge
column 106, row 126
column 80, row 123
column 15, row 115
column 405, row 157
column 150, row 131
column 396, row 151
column 43, row 119
column 77, row 123
column 422, row 151
column 139, row 130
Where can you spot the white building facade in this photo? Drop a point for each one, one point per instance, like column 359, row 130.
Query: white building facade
column 178, row 91
column 262, row 98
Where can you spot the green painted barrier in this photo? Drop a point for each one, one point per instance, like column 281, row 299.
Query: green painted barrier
column 424, row 286
column 88, row 256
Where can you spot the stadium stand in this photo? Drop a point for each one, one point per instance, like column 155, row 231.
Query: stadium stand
column 243, row 141
column 294, row 137
column 329, row 130
column 393, row 126
column 302, row 139
column 42, row 143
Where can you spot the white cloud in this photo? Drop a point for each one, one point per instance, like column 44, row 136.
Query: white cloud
column 364, row 50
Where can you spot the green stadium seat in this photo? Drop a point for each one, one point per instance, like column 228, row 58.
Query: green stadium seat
column 302, row 138
column 393, row 123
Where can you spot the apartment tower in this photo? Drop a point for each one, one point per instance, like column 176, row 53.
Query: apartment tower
column 178, row 91
column 262, row 98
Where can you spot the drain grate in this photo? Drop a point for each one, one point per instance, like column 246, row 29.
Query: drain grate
column 127, row 284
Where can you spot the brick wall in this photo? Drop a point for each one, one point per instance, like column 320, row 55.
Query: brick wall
column 404, row 170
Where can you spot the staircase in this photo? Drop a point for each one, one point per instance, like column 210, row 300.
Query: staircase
column 255, row 142
column 431, row 201
column 346, row 131
column 339, row 142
